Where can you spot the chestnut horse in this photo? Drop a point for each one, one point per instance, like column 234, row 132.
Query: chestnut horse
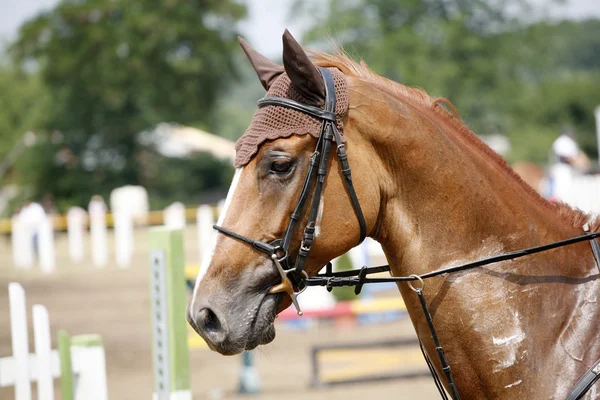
column 434, row 196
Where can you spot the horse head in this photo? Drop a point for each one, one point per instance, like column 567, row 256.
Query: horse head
column 237, row 298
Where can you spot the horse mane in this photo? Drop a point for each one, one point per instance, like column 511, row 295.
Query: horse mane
column 443, row 109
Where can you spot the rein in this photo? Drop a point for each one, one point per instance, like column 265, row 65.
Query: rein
column 294, row 279
column 358, row 278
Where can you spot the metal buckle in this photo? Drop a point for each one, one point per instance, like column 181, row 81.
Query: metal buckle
column 303, row 247
column 286, row 284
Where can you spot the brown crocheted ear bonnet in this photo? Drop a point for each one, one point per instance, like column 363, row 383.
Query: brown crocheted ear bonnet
column 275, row 122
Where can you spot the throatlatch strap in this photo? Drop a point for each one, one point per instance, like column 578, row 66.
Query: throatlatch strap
column 345, row 168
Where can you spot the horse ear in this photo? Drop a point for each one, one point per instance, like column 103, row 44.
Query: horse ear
column 267, row 70
column 305, row 77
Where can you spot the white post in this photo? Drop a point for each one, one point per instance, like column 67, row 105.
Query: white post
column 18, row 241
column 123, row 225
column 597, row 115
column 20, row 340
column 22, row 237
column 41, row 332
column 46, row 244
column 76, row 221
column 205, row 222
column 97, row 211
column 91, row 374
column 174, row 216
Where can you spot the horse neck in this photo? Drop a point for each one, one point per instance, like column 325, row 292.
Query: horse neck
column 443, row 201
column 447, row 198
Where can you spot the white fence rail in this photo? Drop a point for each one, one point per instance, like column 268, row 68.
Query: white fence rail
column 87, row 377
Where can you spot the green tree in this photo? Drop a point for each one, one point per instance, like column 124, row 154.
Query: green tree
column 114, row 68
column 197, row 179
column 23, row 101
column 504, row 73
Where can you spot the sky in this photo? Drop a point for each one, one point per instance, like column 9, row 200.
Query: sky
column 262, row 29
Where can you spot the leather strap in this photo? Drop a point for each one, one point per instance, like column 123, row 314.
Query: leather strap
column 595, row 246
column 296, row 215
column 434, row 375
column 585, row 383
column 319, row 113
column 309, row 230
column 345, row 168
column 262, row 246
column 438, row 347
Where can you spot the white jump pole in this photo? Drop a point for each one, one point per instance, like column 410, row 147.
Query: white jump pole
column 20, row 340
column 41, row 332
column 97, row 211
column 123, row 224
column 76, row 221
column 46, row 245
column 205, row 221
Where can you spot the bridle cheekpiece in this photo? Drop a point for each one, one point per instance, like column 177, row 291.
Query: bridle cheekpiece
column 294, row 276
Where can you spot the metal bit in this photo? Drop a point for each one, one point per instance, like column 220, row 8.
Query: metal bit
column 285, row 285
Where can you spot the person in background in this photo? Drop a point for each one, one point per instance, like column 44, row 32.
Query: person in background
column 567, row 151
column 568, row 160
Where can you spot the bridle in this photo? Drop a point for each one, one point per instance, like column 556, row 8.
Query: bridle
column 294, row 279
column 293, row 276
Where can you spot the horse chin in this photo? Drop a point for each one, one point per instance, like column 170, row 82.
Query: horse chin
column 263, row 327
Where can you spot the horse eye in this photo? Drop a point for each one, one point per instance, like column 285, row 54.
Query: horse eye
column 281, row 166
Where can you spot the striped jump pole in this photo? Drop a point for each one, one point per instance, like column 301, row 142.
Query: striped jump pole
column 169, row 326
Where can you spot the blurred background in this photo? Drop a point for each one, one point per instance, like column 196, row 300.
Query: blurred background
column 133, row 106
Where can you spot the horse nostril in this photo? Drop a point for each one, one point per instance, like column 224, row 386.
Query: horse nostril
column 209, row 322
column 210, row 327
